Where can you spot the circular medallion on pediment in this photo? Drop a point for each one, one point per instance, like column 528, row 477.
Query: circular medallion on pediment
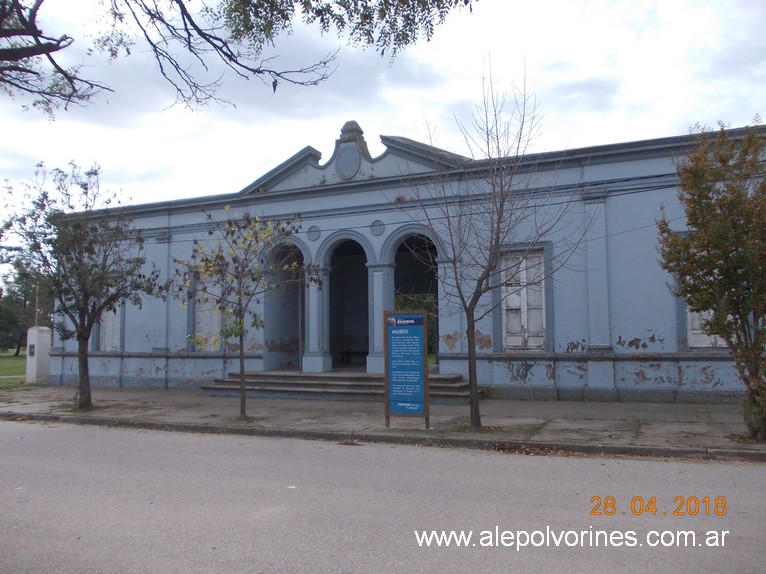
column 313, row 233
column 377, row 227
column 348, row 163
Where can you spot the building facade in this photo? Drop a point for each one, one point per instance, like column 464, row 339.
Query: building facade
column 581, row 310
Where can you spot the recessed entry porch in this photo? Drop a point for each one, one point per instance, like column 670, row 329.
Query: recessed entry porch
column 336, row 324
column 349, row 306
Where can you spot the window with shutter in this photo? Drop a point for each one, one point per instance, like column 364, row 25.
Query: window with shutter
column 524, row 301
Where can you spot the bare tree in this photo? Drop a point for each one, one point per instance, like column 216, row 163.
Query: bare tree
column 492, row 214
column 30, row 63
column 245, row 258
column 190, row 40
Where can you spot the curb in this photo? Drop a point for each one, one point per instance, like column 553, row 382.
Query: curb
column 504, row 446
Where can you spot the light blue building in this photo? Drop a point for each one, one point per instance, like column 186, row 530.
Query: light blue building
column 585, row 311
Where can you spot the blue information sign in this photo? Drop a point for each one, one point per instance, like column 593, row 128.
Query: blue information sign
column 406, row 364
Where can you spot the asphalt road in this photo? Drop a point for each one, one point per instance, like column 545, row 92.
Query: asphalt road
column 90, row 499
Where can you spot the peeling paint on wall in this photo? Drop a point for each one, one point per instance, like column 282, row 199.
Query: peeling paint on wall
column 283, row 346
column 579, row 371
column 483, row 341
column 451, row 340
column 636, row 343
column 519, row 370
column 640, row 344
column 707, row 375
column 649, row 375
column 704, row 376
column 256, row 346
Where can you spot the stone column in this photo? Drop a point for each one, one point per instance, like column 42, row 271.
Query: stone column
column 317, row 357
column 381, row 298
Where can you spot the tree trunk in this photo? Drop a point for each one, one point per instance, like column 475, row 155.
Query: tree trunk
column 749, row 369
column 473, row 383
column 755, row 414
column 83, row 397
column 242, row 394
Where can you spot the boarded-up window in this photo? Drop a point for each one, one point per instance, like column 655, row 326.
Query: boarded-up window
column 207, row 325
column 109, row 331
column 524, row 301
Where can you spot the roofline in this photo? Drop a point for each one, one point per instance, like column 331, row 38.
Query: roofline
column 421, row 150
column 307, row 156
column 652, row 148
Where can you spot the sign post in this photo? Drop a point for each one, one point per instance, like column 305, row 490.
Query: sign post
column 406, row 357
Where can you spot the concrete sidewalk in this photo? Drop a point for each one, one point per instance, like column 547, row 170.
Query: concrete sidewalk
column 714, row 431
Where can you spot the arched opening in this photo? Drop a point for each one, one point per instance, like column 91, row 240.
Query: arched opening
column 349, row 310
column 283, row 310
column 416, row 284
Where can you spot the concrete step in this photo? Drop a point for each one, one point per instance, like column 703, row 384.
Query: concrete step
column 336, row 376
column 350, row 386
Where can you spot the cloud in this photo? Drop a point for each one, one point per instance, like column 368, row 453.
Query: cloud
column 737, row 45
column 604, row 71
column 138, row 92
column 16, row 166
column 360, row 81
column 591, row 94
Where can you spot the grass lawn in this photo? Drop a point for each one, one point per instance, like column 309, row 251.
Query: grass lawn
column 12, row 369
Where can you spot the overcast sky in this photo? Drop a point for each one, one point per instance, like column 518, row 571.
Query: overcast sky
column 602, row 71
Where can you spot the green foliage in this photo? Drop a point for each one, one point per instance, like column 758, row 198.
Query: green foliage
column 11, row 327
column 71, row 234
column 720, row 264
column 26, row 300
column 383, row 24
column 89, row 250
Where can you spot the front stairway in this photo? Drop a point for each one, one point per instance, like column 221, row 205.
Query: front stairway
column 336, row 386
